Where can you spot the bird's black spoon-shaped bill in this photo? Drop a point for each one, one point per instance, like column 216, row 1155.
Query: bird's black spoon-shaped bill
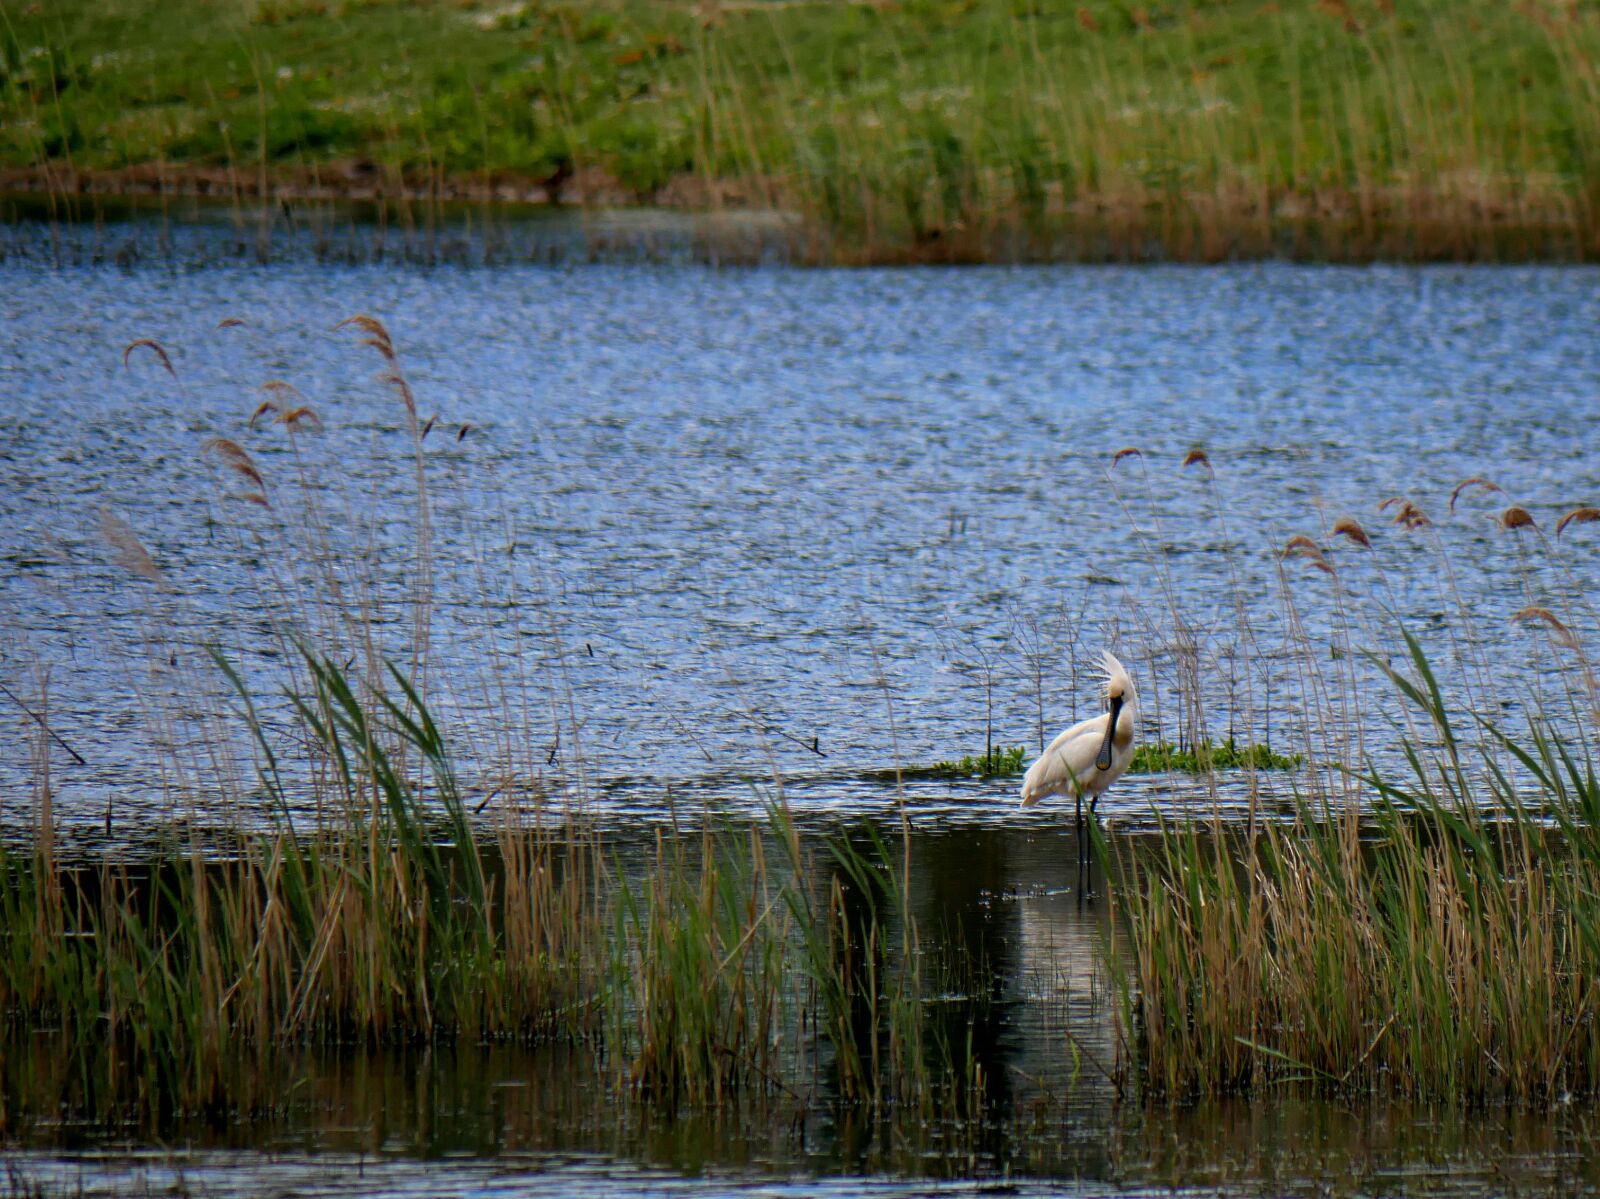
column 1102, row 760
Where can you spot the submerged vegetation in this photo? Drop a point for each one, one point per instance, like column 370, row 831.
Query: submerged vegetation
column 999, row 762
column 923, row 131
column 1162, row 757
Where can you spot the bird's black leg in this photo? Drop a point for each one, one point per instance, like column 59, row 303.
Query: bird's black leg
column 1078, row 839
column 1088, row 849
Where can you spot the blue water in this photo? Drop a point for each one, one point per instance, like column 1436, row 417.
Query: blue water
column 806, row 522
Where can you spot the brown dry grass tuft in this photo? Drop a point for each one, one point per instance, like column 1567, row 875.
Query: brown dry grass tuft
column 377, row 336
column 1516, row 517
column 398, row 381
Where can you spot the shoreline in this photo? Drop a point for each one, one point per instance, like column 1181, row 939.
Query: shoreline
column 1454, row 221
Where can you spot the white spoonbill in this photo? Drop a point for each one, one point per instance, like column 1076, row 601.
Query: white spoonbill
column 1091, row 755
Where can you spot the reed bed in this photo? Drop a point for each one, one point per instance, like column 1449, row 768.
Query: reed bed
column 328, row 882
column 998, row 130
column 1431, row 948
column 1422, row 925
column 699, row 975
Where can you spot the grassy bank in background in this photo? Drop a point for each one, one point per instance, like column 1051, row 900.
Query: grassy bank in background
column 923, row 131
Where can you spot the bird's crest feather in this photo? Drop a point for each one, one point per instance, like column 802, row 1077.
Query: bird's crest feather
column 1113, row 669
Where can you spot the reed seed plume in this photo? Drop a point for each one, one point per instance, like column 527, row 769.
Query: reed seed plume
column 262, row 409
column 461, row 433
column 235, row 457
column 1578, row 516
column 1125, row 452
column 304, row 414
column 230, row 322
column 1559, row 632
column 1347, row 526
column 1199, row 456
column 129, row 551
column 1516, row 517
column 155, row 348
column 377, row 336
column 1480, row 485
column 1408, row 514
column 428, row 427
column 1301, row 546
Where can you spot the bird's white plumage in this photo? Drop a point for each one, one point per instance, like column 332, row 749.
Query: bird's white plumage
column 1068, row 765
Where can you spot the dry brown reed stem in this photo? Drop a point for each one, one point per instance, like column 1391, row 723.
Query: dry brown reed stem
column 422, row 583
column 1219, row 510
column 1181, row 642
column 1467, row 635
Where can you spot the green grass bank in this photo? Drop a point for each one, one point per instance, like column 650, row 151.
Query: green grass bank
column 918, row 131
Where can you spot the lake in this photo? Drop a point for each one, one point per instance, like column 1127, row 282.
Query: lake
column 698, row 539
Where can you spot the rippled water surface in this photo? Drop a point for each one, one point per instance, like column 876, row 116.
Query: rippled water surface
column 714, row 513
column 696, row 531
